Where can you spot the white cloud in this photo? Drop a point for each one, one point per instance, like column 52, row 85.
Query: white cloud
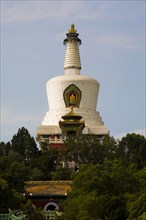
column 98, row 11
column 119, row 40
column 28, row 11
column 105, row 11
column 34, row 10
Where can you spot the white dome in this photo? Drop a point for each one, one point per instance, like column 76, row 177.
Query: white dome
column 88, row 86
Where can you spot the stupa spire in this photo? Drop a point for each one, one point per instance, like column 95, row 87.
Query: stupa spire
column 72, row 63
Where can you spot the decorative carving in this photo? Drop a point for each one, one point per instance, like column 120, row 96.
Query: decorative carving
column 72, row 96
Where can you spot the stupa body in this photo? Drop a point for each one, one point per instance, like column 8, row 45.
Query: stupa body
column 71, row 90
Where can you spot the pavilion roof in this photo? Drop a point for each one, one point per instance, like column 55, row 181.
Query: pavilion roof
column 44, row 188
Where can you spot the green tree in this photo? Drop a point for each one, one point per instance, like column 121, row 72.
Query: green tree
column 61, row 174
column 83, row 150
column 109, row 145
column 46, row 162
column 13, row 170
column 36, row 174
column 87, row 149
column 137, row 202
column 13, row 173
column 24, row 144
column 99, row 192
column 9, row 197
column 137, row 206
column 132, row 149
column 21, row 161
column 4, row 148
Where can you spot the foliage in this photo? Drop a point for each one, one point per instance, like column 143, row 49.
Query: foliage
column 32, row 213
column 21, row 160
column 61, row 174
column 110, row 190
column 83, row 150
column 13, row 170
column 87, row 149
column 24, row 144
column 9, row 198
column 47, row 161
column 110, row 184
column 132, row 149
column 16, row 215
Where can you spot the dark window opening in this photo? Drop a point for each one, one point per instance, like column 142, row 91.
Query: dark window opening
column 51, row 208
column 71, row 132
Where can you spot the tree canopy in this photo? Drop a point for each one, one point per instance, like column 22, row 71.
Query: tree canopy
column 21, row 160
column 110, row 184
column 107, row 191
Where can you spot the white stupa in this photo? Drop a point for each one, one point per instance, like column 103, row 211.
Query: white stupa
column 71, row 89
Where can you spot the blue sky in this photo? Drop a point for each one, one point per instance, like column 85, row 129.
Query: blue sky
column 112, row 51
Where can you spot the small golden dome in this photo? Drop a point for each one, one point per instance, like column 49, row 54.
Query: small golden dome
column 72, row 115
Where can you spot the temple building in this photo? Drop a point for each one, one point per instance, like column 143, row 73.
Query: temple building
column 72, row 99
column 47, row 195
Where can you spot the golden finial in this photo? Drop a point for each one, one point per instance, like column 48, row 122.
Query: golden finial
column 72, row 29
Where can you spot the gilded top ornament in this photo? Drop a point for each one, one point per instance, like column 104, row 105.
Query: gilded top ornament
column 72, row 29
column 72, row 35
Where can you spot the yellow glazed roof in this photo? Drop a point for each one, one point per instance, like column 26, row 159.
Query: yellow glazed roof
column 72, row 115
column 48, row 187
